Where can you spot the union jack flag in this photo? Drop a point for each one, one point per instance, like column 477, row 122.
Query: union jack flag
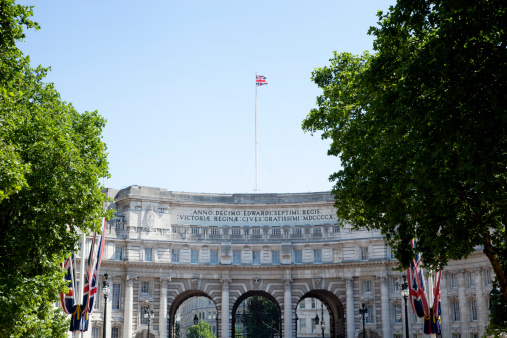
column 92, row 270
column 67, row 299
column 432, row 323
column 260, row 80
column 416, row 287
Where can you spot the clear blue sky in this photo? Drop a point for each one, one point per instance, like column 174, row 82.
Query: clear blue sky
column 176, row 82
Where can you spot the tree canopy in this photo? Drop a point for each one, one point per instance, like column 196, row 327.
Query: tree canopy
column 201, row 330
column 51, row 159
column 420, row 127
column 262, row 318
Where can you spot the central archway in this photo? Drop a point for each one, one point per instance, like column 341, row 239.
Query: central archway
column 254, row 293
column 334, row 307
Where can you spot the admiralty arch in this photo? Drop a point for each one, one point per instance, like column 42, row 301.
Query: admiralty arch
column 164, row 247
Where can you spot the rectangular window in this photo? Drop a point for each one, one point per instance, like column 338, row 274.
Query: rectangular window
column 213, row 257
column 456, row 335
column 474, row 335
column 317, row 256
column 145, row 287
column 314, row 325
column 235, row 231
column 194, row 256
column 275, row 257
column 455, row 311
column 148, row 254
column 256, row 257
column 364, row 253
column 317, row 231
column 194, row 230
column 397, row 313
column 473, row 311
column 369, row 315
column 214, row 231
column 256, row 231
column 302, row 305
column 236, row 257
column 116, row 296
column 396, row 285
column 302, row 325
column 96, row 299
column 454, row 280
column 471, row 279
column 118, row 253
column 176, row 255
column 95, row 332
column 314, row 304
column 175, row 230
column 298, row 256
column 487, row 279
column 336, row 229
column 115, row 332
column 367, row 286
column 276, row 231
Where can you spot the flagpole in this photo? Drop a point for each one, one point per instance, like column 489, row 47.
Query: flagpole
column 81, row 272
column 256, row 159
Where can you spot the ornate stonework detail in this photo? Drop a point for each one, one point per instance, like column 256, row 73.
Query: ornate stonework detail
column 131, row 279
column 193, row 283
column 348, row 280
column 318, row 282
column 150, row 219
column 164, row 281
column 287, row 281
column 256, row 283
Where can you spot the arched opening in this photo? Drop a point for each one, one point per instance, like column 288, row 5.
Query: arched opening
column 256, row 314
column 369, row 333
column 325, row 306
column 192, row 311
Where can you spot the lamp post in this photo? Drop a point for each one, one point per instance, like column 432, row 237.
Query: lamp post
column 149, row 314
column 492, row 295
column 316, row 319
column 105, row 292
column 363, row 312
column 404, row 294
column 297, row 324
column 196, row 320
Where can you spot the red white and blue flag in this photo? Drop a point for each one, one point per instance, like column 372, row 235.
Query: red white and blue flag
column 92, row 270
column 416, row 287
column 67, row 299
column 432, row 323
column 260, row 80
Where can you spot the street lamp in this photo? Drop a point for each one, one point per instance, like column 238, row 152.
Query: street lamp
column 316, row 320
column 105, row 292
column 404, row 294
column 297, row 328
column 196, row 320
column 149, row 314
column 492, row 295
column 363, row 312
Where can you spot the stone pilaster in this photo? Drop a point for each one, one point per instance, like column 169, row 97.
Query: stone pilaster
column 482, row 310
column 287, row 307
column 225, row 315
column 444, row 306
column 129, row 306
column 351, row 327
column 162, row 321
column 385, row 306
column 463, row 318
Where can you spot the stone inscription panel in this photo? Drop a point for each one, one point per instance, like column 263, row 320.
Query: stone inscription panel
column 253, row 217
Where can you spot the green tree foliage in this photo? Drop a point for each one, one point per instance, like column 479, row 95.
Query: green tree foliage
column 51, row 158
column 420, row 128
column 201, row 330
column 262, row 319
column 497, row 326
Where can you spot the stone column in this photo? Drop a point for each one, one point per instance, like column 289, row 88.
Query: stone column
column 129, row 305
column 482, row 309
column 351, row 327
column 462, row 303
column 162, row 317
column 444, row 306
column 287, row 307
column 225, row 315
column 384, row 299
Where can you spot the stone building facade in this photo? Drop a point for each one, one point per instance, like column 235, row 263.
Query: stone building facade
column 165, row 247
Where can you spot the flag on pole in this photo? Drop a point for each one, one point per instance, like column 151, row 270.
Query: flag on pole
column 432, row 322
column 260, row 80
column 92, row 271
column 416, row 287
column 67, row 299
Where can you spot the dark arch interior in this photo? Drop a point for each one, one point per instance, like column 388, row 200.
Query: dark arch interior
column 334, row 307
column 179, row 300
column 247, row 295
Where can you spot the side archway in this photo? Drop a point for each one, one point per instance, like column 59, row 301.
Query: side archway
column 254, row 293
column 176, row 303
column 334, row 307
